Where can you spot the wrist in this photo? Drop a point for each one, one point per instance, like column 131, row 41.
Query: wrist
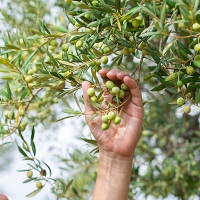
column 113, row 179
column 112, row 163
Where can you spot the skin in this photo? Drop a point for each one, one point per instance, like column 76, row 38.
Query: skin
column 3, row 197
column 117, row 144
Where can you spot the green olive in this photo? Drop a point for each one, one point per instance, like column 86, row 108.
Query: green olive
column 186, row 109
column 121, row 94
column 115, row 90
column 39, row 185
column 65, row 47
column 29, row 174
column 94, row 99
column 117, row 120
column 124, row 86
column 53, row 43
column 105, row 126
column 179, row 83
column 111, row 115
column 79, row 44
column 91, row 92
column 180, row 101
column 190, row 70
column 109, row 84
column 104, row 59
column 104, row 118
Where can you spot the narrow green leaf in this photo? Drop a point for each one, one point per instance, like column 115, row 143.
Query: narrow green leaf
column 66, row 63
column 106, row 6
column 116, row 60
column 85, row 58
column 70, row 19
column 196, row 63
column 32, row 194
column 194, row 43
column 29, row 59
column 118, row 5
column 77, row 102
column 12, row 47
column 150, row 34
column 168, row 47
column 159, row 87
column 95, row 76
column 93, row 116
column 22, row 151
column 124, row 27
column 68, row 185
column 148, row 11
column 172, row 90
column 23, row 94
column 33, row 147
column 190, row 79
column 132, row 11
column 163, row 14
column 198, row 97
column 32, row 166
column 30, row 179
column 184, row 48
column 64, row 118
column 56, row 74
column 68, row 111
column 44, row 27
column 52, row 58
column 5, row 144
column 93, row 142
column 77, row 37
column 20, row 135
column 60, row 29
column 5, row 94
column 25, row 170
column 154, row 6
column 66, row 104
column 126, row 44
column 32, row 133
column 83, row 6
column 6, row 63
column 25, row 146
column 97, row 52
column 96, row 150
column 8, row 90
column 174, row 76
column 93, row 41
column 27, row 158
column 196, row 6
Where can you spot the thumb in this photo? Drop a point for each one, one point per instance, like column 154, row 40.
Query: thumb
column 88, row 108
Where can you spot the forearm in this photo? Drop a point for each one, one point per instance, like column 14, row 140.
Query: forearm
column 113, row 178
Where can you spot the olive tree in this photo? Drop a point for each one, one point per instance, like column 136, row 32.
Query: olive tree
column 156, row 42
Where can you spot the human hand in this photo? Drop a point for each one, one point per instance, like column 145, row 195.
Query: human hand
column 3, row 197
column 119, row 140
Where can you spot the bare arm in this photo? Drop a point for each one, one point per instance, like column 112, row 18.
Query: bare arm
column 117, row 144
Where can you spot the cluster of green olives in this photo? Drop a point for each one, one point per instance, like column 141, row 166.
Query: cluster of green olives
column 186, row 108
column 106, row 119
column 38, row 183
column 115, row 91
column 93, row 97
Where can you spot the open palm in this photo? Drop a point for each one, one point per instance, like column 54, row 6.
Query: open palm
column 118, row 139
